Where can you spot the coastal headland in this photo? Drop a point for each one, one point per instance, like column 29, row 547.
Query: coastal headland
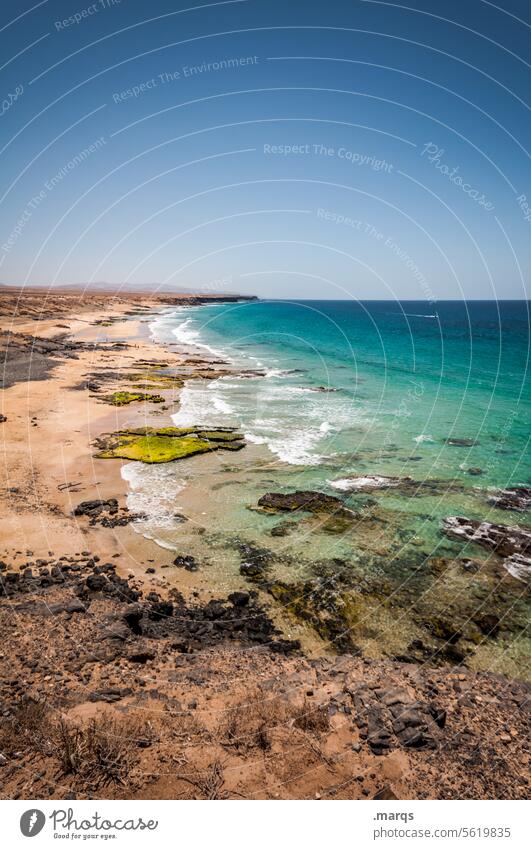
column 122, row 675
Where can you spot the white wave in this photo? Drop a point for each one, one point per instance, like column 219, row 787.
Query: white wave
column 369, row 482
column 188, row 335
column 153, row 490
column 325, row 427
column 195, row 407
column 221, row 406
column 276, row 372
column 271, row 425
column 256, row 440
column 419, row 315
column 297, row 449
column 423, row 437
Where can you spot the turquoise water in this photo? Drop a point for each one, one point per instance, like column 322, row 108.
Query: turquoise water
column 335, row 396
column 405, row 377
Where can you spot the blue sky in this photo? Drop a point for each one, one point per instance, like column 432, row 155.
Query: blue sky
column 287, row 149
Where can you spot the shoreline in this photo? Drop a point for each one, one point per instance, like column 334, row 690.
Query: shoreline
column 207, row 688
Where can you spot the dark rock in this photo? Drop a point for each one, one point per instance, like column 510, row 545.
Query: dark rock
column 386, row 793
column 109, row 694
column 116, row 630
column 96, row 582
column 416, row 738
column 141, row 654
column 285, row 646
column 74, row 606
column 489, row 624
column 239, row 599
column 505, row 540
column 462, row 443
column 132, row 615
column 439, row 715
column 514, row 498
column 96, row 506
column 187, row 562
column 160, row 610
column 308, row 500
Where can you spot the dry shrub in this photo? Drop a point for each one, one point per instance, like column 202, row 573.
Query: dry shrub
column 102, row 751
column 25, row 729
column 248, row 724
column 209, row 783
column 312, row 718
column 185, row 727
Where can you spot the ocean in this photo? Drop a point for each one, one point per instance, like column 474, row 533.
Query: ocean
column 346, row 398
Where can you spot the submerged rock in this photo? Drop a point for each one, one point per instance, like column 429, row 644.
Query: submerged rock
column 307, row 500
column 509, row 542
column 513, row 498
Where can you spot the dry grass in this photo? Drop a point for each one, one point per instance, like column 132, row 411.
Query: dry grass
column 249, row 723
column 25, row 729
column 312, row 718
column 102, row 752
column 208, row 784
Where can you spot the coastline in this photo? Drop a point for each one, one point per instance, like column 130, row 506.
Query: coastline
column 328, row 728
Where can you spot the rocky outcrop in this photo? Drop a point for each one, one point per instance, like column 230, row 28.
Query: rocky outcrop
column 391, row 716
column 512, row 543
column 513, row 498
column 163, row 445
column 309, row 501
column 460, row 442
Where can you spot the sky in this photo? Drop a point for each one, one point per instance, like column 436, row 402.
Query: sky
column 284, row 148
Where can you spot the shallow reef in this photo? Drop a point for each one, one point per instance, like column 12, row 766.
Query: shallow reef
column 163, row 445
column 121, row 398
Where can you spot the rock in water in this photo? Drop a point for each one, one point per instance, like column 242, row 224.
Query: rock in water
column 511, row 543
column 309, row 500
column 514, row 498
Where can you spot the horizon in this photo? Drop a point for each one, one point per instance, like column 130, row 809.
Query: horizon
column 201, row 293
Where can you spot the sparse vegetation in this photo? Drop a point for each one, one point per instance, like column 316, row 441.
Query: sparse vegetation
column 102, row 751
column 120, row 399
column 248, row 724
column 312, row 718
column 25, row 728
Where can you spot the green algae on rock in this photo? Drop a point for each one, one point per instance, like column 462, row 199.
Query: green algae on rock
column 163, row 445
column 120, row 399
